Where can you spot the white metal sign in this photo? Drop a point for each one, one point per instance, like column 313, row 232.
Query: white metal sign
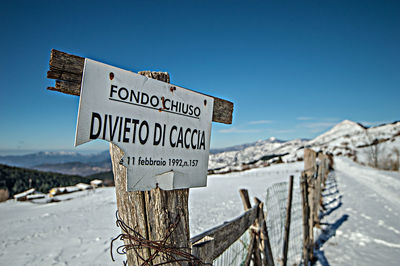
column 163, row 130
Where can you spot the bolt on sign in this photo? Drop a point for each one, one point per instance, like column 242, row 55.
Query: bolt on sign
column 164, row 130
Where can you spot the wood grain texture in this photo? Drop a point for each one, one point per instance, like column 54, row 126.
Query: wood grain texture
column 309, row 161
column 226, row 234
column 131, row 205
column 67, row 69
column 306, row 217
column 310, row 168
column 268, row 258
column 287, row 222
column 255, row 236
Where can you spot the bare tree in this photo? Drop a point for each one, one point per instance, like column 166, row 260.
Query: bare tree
column 396, row 162
column 373, row 151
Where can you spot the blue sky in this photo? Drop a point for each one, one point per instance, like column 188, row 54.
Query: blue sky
column 292, row 68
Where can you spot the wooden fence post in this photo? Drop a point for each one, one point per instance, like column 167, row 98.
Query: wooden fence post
column 287, row 222
column 306, row 218
column 310, row 169
column 151, row 212
column 268, row 258
column 255, row 239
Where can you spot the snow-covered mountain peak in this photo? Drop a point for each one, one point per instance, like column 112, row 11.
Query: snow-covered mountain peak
column 344, row 128
column 345, row 138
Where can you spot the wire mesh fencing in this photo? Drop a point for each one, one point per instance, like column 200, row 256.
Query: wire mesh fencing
column 236, row 253
column 275, row 205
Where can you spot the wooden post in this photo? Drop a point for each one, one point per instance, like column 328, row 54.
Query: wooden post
column 309, row 161
column 255, row 239
column 310, row 171
column 150, row 213
column 306, row 217
column 268, row 258
column 287, row 222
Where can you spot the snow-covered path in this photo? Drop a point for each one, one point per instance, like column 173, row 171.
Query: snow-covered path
column 367, row 224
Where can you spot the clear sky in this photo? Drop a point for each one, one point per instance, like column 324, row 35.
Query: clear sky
column 292, row 68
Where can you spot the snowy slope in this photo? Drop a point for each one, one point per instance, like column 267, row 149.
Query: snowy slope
column 365, row 229
column 79, row 231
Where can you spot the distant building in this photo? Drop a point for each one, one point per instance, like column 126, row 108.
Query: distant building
column 4, row 194
column 62, row 190
column 96, row 183
column 83, row 186
column 24, row 195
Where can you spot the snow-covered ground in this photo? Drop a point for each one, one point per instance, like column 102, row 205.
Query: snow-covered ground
column 365, row 228
column 79, row 231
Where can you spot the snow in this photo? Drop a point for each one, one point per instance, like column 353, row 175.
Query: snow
column 362, row 224
column 346, row 138
column 78, row 230
column 365, row 228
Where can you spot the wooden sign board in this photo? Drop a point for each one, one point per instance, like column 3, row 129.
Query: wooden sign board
column 164, row 130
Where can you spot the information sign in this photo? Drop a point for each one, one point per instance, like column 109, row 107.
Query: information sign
column 164, row 130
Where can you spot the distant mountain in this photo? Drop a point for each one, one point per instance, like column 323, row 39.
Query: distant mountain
column 39, row 158
column 347, row 138
column 243, row 146
column 76, row 168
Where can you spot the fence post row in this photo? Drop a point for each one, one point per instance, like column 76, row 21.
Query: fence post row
column 312, row 182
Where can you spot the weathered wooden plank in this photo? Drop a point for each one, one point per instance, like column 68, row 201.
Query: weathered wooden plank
column 306, row 217
column 226, row 234
column 66, row 62
column 250, row 252
column 66, row 76
column 255, row 236
column 309, row 161
column 71, row 88
column 310, row 169
column 287, row 222
column 265, row 243
column 67, row 69
column 203, row 250
column 244, row 195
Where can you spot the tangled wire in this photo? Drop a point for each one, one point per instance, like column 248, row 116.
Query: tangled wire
column 169, row 254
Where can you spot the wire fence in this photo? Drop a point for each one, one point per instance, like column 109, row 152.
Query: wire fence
column 276, row 204
column 236, row 253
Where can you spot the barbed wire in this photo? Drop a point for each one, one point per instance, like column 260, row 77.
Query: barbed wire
column 168, row 253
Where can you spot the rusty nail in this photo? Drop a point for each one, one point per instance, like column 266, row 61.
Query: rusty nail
column 111, row 76
column 205, row 102
column 163, row 102
column 172, row 89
